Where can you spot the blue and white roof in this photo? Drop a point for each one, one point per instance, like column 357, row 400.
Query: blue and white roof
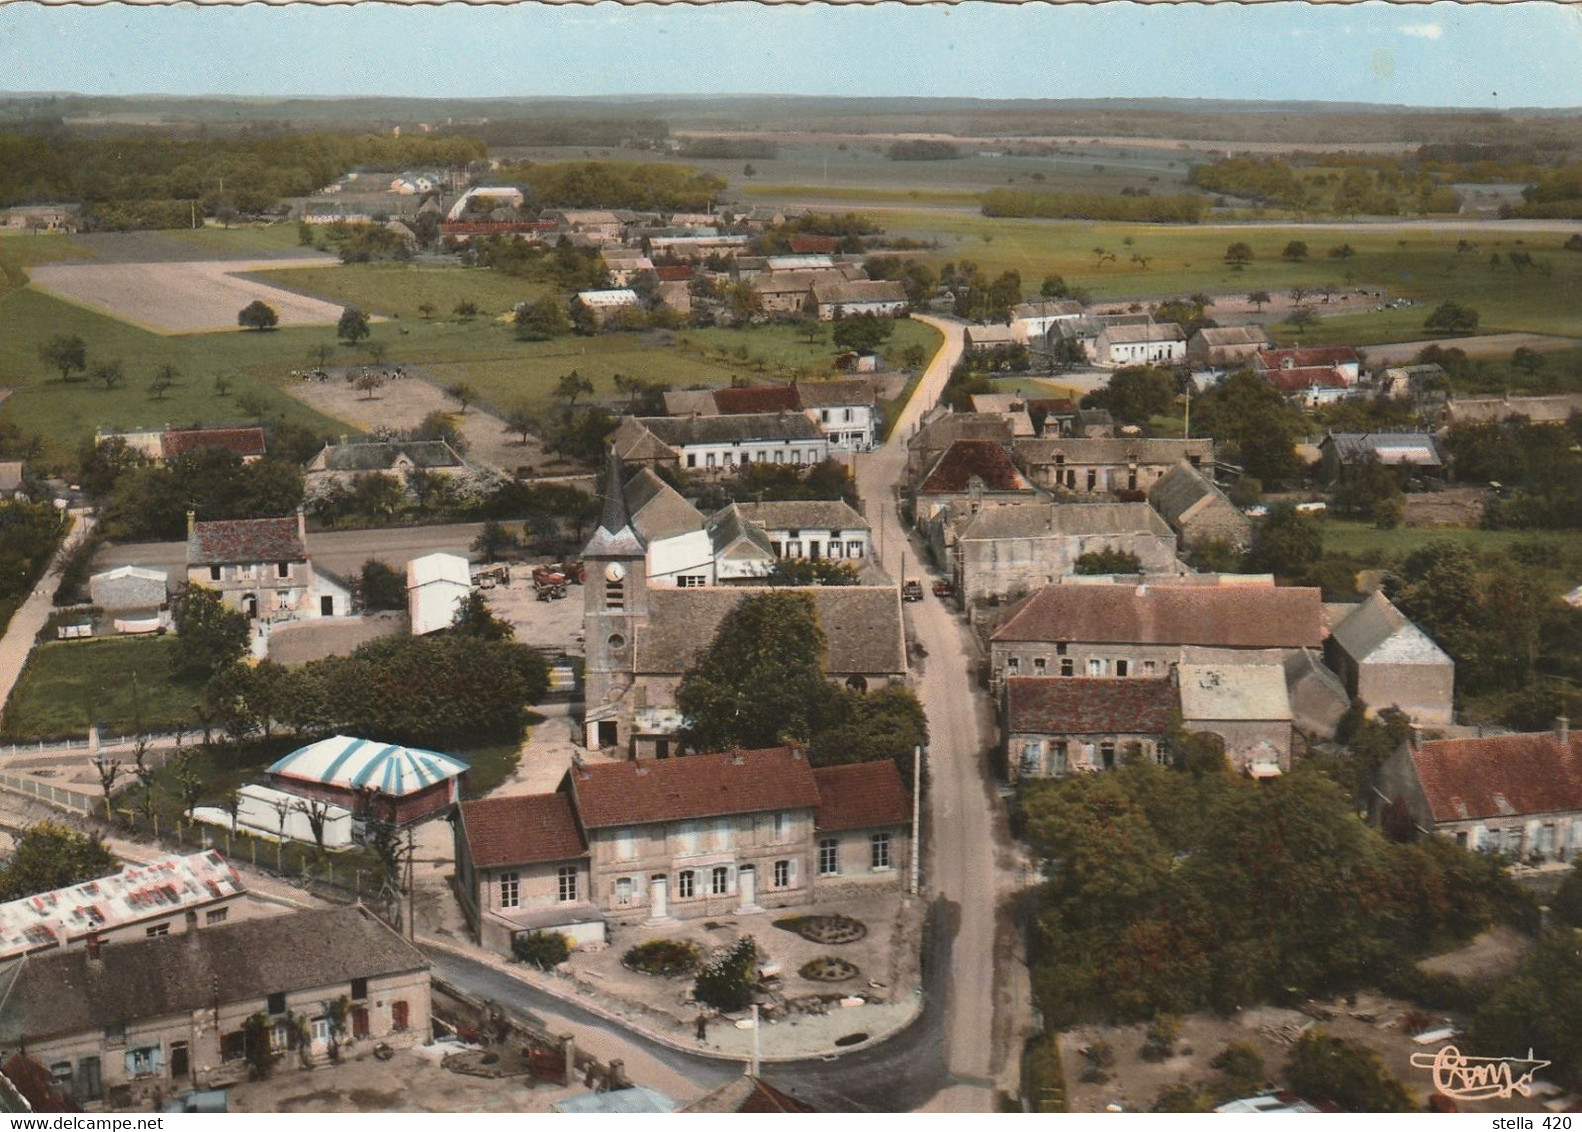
column 358, row 764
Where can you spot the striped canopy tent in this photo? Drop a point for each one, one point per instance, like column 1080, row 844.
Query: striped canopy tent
column 355, row 770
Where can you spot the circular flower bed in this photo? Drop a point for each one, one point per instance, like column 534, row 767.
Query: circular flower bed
column 830, row 929
column 662, row 957
column 828, row 969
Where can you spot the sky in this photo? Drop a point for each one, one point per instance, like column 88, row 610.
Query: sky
column 1442, row 54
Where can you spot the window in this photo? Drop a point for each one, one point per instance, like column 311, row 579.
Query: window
column 157, row 930
column 719, row 880
column 691, row 581
column 1123, row 668
column 835, row 549
column 687, row 884
column 625, row 844
column 233, row 1046
column 60, row 1076
column 794, row 549
column 1057, row 757
column 829, row 857
column 359, row 989
column 687, row 834
column 782, row 827
column 854, row 549
column 1093, row 479
column 780, row 456
column 845, row 415
column 115, row 1035
column 216, row 916
column 144, row 1061
column 747, row 458
column 623, row 891
column 692, row 459
column 282, row 569
column 730, row 459
column 90, row 1079
column 1107, row 754
column 510, row 890
column 823, row 416
column 709, row 460
column 214, row 573
column 879, row 850
column 1067, row 666
column 1013, row 666
column 1150, row 667
column 724, row 833
column 782, row 874
column 1039, row 666
column 276, row 1003
column 566, row 878
column 1095, row 666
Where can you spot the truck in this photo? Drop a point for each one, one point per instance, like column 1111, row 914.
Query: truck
column 912, row 590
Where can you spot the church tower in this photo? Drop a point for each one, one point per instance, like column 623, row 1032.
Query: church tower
column 615, row 596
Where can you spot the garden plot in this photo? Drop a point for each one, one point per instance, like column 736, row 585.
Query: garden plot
column 181, row 298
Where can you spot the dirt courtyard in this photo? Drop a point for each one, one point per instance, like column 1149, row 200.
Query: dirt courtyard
column 181, row 298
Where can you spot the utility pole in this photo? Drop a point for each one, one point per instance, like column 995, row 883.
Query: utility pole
column 411, row 851
column 752, row 1066
column 1186, row 427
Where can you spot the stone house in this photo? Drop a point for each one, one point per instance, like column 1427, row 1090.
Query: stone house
column 118, row 1024
column 1033, row 321
column 1387, row 661
column 1556, row 409
column 1247, row 706
column 1197, row 510
column 811, row 528
column 1520, row 795
column 1090, row 465
column 1053, row 727
column 1341, row 453
column 1004, row 552
column 834, row 298
column 940, row 428
column 343, row 463
column 968, row 476
column 720, row 444
column 1226, row 347
column 248, row 443
column 991, row 337
column 1153, row 343
column 783, row 292
column 706, row 835
column 1343, row 359
column 1141, row 630
column 262, row 567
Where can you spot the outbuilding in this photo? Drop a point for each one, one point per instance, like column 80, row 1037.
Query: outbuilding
column 372, row 779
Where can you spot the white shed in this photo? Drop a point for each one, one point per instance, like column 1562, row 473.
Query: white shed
column 436, row 585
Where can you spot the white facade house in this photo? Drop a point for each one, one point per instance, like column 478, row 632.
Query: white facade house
column 1150, row 344
column 811, row 528
column 603, row 304
column 721, row 444
column 436, row 585
column 835, row 297
column 675, row 534
column 1033, row 321
column 846, row 412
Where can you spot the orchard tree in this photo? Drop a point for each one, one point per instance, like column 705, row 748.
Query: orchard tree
column 862, row 334
column 1451, row 317
column 1238, row 255
column 164, row 377
column 1258, row 299
column 542, row 320
column 66, row 353
column 1295, row 251
column 110, row 373
column 1344, row 1073
column 570, row 386
column 462, row 393
column 1286, row 543
column 521, row 421
column 258, row 315
column 353, row 326
column 368, row 384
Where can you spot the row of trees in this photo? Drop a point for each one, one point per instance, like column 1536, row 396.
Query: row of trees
column 1181, row 208
column 656, row 186
column 1168, row 891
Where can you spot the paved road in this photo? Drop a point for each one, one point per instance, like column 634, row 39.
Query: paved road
column 1478, row 346
column 34, row 612
column 341, row 552
column 899, row 1075
column 967, row 843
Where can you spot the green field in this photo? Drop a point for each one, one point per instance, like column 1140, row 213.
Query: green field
column 398, row 289
column 858, row 194
column 1184, row 259
column 19, row 252
column 68, row 685
column 250, row 240
column 1364, row 540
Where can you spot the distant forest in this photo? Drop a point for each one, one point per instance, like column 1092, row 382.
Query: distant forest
column 134, row 182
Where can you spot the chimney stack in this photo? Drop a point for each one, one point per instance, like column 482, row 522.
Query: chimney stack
column 192, row 521
column 1563, row 728
column 302, row 525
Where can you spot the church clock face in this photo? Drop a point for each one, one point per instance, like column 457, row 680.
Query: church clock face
column 614, row 572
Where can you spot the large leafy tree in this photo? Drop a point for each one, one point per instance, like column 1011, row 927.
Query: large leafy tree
column 1137, row 393
column 66, row 353
column 210, row 635
column 1328, row 1068
column 762, row 682
column 1258, row 427
column 50, row 856
column 1286, row 543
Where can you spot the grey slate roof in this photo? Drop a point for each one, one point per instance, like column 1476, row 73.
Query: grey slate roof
column 1110, row 449
column 1048, row 520
column 842, row 392
column 381, row 456
column 729, row 527
column 66, row 992
column 659, row 510
column 826, row 290
column 795, row 514
column 862, row 626
column 614, row 537
column 1388, row 447
column 678, row 432
column 1378, row 632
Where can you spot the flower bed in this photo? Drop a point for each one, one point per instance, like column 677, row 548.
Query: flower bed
column 830, row 929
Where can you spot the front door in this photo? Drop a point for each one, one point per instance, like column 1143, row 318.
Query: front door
column 326, row 607
column 250, row 607
column 659, row 896
column 812, row 549
column 359, row 1021
column 747, row 885
column 180, row 1063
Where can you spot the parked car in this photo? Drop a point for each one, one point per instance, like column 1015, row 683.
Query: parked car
column 912, row 590
column 944, row 588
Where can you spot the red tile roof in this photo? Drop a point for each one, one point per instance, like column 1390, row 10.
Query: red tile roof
column 861, row 796
column 33, row 1082
column 814, row 245
column 1468, row 778
column 1304, row 377
column 1089, row 705
column 757, row 399
column 986, row 459
column 245, row 540
column 1249, row 617
column 242, row 441
column 673, row 272
column 520, row 829
column 1299, row 356
column 696, row 786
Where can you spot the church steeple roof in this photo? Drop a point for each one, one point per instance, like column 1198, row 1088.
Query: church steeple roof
column 615, row 536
